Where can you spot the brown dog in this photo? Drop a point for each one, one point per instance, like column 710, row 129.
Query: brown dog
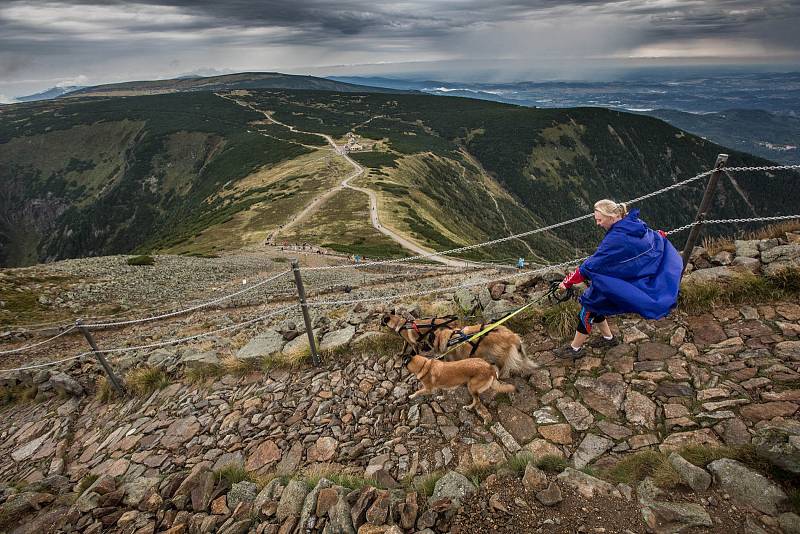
column 478, row 375
column 500, row 346
column 417, row 334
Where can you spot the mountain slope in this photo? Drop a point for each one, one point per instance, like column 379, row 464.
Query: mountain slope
column 769, row 135
column 89, row 177
column 226, row 82
column 197, row 173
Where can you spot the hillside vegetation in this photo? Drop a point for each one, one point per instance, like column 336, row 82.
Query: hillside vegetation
column 196, row 173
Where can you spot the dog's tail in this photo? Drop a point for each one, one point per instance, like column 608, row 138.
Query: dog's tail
column 518, row 361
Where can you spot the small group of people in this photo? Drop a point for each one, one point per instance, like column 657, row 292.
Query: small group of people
column 634, row 270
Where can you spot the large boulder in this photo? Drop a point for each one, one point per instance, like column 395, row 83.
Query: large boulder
column 199, row 359
column 780, row 447
column 673, row 517
column 338, row 338
column 65, row 385
column 453, row 485
column 587, row 485
column 267, row 343
column 748, row 487
column 292, row 499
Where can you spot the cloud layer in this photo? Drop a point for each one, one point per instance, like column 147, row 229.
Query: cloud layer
column 107, row 40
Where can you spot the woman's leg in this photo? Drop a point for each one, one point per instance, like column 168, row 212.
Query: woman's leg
column 579, row 340
column 605, row 328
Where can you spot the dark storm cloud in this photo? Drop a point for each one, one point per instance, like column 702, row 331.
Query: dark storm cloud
column 179, row 35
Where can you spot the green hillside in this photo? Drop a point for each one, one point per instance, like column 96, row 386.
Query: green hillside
column 551, row 163
column 103, row 176
column 197, row 173
column 226, row 82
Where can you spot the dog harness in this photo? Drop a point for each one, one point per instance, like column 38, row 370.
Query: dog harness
column 432, row 326
column 458, row 337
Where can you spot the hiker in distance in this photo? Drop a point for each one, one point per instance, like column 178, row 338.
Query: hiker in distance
column 634, row 270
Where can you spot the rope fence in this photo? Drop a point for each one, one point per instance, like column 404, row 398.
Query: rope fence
column 469, row 267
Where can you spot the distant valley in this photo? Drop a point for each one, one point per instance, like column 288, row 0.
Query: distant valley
column 755, row 113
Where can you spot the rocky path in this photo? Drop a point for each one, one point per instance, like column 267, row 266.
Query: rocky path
column 726, row 377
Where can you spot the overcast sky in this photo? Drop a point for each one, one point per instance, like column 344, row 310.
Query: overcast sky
column 43, row 44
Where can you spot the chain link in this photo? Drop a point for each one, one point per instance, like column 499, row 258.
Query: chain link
column 40, row 343
column 733, row 221
column 191, row 309
column 152, row 345
column 320, row 303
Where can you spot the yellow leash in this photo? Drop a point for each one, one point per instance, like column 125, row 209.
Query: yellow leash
column 488, row 328
column 492, row 326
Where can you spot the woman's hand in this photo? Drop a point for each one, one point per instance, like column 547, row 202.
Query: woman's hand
column 562, row 285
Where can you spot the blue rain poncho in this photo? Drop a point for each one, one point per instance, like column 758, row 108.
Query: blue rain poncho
column 635, row 270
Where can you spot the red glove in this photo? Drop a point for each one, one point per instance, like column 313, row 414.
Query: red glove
column 573, row 278
column 662, row 233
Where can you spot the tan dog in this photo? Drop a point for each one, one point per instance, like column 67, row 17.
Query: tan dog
column 499, row 346
column 417, row 334
column 478, row 375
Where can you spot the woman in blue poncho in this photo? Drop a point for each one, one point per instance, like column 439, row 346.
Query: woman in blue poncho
column 634, row 270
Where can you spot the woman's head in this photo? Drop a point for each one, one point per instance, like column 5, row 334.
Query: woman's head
column 607, row 212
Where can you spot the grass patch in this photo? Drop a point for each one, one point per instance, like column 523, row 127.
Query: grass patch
column 517, row 463
column 352, row 482
column 234, row 366
column 772, row 231
column 635, row 467
column 747, row 288
column 561, row 319
column 715, row 245
column 141, row 260
column 234, row 474
column 427, row 483
column 551, row 464
column 143, row 381
column 104, row 391
column 13, row 395
column 478, row 473
column 201, row 373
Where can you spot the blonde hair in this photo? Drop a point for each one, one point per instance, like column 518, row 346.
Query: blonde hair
column 609, row 208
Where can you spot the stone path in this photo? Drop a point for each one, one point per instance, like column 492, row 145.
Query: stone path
column 727, row 377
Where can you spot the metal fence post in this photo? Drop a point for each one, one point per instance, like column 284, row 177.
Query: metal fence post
column 112, row 377
column 301, row 292
column 705, row 205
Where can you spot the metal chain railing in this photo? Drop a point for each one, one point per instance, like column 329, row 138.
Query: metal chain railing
column 190, row 309
column 320, row 303
column 733, row 221
column 152, row 345
column 546, row 228
column 40, row 343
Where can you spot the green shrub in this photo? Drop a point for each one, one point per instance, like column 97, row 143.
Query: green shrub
column 551, row 464
column 141, row 260
column 143, row 381
column 234, row 474
column 561, row 319
column 427, row 484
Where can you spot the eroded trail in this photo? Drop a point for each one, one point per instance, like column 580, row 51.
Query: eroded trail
column 358, row 170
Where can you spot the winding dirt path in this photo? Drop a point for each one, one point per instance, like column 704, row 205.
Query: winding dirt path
column 358, row 170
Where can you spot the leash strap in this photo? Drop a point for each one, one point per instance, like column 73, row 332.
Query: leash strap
column 551, row 293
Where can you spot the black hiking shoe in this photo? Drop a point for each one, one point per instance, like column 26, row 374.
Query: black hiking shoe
column 568, row 353
column 603, row 343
